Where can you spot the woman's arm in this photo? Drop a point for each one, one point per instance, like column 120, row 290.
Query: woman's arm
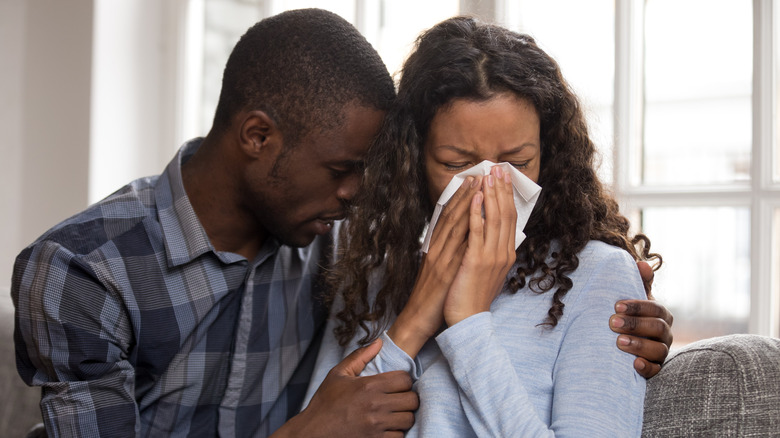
column 595, row 389
column 422, row 316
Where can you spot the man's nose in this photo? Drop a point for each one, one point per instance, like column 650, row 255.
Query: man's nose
column 349, row 186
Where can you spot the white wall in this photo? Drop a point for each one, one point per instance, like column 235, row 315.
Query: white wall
column 136, row 92
column 89, row 99
column 12, row 20
column 46, row 47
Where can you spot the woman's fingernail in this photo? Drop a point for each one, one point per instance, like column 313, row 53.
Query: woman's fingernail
column 499, row 172
column 624, row 340
column 620, row 308
column 490, row 180
column 474, row 182
column 618, row 322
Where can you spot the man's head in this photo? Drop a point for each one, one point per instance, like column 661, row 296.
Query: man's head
column 303, row 95
column 302, row 67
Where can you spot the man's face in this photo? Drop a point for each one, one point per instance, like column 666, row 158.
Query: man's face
column 310, row 184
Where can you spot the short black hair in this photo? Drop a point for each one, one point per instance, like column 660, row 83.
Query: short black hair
column 301, row 67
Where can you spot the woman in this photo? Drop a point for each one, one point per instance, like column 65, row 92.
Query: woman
column 501, row 342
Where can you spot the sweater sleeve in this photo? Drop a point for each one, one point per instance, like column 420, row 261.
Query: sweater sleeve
column 596, row 390
column 392, row 358
column 389, row 358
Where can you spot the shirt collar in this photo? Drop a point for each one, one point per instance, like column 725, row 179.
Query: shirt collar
column 184, row 236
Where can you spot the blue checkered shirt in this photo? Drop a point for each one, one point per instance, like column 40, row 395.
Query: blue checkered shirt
column 133, row 324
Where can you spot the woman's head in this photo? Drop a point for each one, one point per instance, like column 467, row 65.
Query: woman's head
column 503, row 128
column 463, row 60
column 472, row 91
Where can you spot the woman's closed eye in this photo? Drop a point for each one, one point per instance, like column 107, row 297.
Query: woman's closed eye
column 520, row 165
column 458, row 166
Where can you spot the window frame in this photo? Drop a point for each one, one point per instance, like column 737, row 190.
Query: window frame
column 761, row 195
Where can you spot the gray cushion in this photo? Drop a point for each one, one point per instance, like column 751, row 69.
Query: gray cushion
column 19, row 404
column 724, row 386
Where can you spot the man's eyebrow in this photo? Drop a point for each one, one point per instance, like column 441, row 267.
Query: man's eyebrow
column 349, row 164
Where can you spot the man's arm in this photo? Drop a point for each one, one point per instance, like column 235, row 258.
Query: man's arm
column 71, row 338
column 645, row 328
column 346, row 405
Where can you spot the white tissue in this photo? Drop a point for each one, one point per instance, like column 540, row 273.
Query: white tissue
column 526, row 192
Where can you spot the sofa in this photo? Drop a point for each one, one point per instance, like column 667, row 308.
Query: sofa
column 727, row 386
column 19, row 408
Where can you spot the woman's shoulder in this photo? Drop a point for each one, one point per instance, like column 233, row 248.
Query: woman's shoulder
column 596, row 253
column 609, row 269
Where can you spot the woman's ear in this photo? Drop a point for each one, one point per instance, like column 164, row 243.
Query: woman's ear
column 259, row 134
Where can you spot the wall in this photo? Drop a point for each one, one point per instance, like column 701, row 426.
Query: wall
column 89, row 100
column 46, row 76
column 45, row 85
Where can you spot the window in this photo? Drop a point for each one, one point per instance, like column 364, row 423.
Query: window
column 694, row 132
column 681, row 98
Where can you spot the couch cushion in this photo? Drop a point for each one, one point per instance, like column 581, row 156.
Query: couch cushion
column 19, row 404
column 723, row 386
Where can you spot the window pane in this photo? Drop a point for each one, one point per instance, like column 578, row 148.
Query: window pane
column 582, row 40
column 775, row 270
column 776, row 115
column 224, row 23
column 395, row 30
column 698, row 79
column 345, row 8
column 705, row 277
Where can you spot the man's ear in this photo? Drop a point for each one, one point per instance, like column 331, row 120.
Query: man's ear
column 259, row 134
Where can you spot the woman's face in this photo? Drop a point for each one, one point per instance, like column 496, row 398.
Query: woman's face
column 465, row 133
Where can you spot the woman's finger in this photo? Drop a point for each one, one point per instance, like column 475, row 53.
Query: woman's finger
column 508, row 215
column 452, row 225
column 492, row 214
column 476, row 239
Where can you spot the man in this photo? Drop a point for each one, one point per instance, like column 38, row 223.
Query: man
column 188, row 304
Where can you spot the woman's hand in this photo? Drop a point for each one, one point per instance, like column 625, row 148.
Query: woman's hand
column 422, row 315
column 490, row 251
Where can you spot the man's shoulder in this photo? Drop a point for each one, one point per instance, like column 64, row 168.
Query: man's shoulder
column 120, row 213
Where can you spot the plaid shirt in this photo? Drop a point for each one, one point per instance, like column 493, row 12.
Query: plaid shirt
column 133, row 325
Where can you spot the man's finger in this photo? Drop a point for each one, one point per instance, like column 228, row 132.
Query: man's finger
column 353, row 364
column 402, row 421
column 391, row 382
column 653, row 351
column 407, row 401
column 651, row 328
column 646, row 308
column 647, row 274
column 646, row 369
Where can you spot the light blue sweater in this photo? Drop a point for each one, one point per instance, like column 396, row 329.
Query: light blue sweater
column 501, row 374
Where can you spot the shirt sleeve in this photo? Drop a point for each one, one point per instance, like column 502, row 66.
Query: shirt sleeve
column 72, row 339
column 392, row 358
column 596, row 390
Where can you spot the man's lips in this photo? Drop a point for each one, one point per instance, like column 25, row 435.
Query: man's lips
column 332, row 218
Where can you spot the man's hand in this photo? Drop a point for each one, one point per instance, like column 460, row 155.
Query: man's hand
column 346, row 405
column 645, row 327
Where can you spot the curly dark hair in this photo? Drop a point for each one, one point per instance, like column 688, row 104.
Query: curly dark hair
column 301, row 67
column 462, row 58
